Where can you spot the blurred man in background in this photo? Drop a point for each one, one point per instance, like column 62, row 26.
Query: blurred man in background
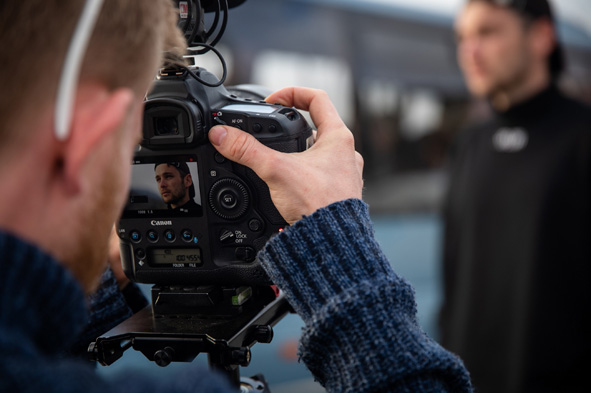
column 517, row 235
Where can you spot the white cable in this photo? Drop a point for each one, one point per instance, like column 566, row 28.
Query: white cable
column 71, row 70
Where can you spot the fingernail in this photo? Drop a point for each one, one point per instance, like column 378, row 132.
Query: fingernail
column 217, row 135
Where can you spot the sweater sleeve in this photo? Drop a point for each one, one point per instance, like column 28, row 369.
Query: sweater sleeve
column 361, row 330
column 108, row 307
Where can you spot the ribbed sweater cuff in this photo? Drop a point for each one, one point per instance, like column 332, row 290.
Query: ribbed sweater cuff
column 361, row 330
column 368, row 339
column 325, row 254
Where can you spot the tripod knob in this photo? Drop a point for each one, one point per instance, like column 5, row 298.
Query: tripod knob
column 241, row 356
column 163, row 357
column 263, row 333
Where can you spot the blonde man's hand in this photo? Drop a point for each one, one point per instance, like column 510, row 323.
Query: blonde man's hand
column 300, row 183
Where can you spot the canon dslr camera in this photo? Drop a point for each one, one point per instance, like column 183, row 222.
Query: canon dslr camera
column 194, row 217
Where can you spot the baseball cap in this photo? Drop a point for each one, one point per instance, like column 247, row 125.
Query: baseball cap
column 538, row 9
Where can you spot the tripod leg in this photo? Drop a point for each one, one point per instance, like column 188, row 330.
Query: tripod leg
column 232, row 371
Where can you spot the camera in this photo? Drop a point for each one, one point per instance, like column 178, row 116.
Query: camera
column 194, row 220
column 194, row 217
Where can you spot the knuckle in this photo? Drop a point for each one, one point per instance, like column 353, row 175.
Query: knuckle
column 348, row 138
column 241, row 148
column 360, row 160
column 321, row 93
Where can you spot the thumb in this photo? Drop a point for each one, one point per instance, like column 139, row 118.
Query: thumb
column 240, row 147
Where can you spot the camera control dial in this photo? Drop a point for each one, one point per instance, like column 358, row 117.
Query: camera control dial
column 229, row 199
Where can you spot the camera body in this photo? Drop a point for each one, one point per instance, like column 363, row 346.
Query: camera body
column 213, row 238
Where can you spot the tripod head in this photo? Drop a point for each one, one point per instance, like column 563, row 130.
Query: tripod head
column 183, row 322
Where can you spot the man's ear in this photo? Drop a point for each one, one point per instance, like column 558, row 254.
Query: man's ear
column 544, row 38
column 98, row 115
column 188, row 180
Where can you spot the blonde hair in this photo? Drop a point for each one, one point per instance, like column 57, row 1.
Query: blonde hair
column 35, row 35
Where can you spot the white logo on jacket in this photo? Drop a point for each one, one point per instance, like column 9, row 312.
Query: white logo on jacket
column 510, row 140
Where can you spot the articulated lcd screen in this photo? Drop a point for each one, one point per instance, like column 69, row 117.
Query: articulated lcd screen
column 164, row 188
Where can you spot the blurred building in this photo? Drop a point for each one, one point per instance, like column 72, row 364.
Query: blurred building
column 390, row 70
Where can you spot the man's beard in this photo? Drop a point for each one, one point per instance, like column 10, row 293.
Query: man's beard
column 501, row 92
column 88, row 258
column 177, row 199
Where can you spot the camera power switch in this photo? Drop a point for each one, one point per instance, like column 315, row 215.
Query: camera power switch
column 227, row 236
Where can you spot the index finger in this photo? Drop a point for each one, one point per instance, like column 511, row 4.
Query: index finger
column 316, row 102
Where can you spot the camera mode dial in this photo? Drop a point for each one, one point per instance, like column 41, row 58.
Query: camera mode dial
column 229, row 199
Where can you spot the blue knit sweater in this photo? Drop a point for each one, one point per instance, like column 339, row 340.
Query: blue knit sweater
column 361, row 331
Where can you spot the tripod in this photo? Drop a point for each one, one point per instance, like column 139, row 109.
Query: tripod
column 183, row 322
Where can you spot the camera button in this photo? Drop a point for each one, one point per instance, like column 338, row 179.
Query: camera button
column 228, row 199
column 140, row 253
column 219, row 158
column 135, row 236
column 152, row 236
column 169, row 235
column 273, row 128
column 187, row 235
column 246, row 254
column 257, row 127
column 255, row 225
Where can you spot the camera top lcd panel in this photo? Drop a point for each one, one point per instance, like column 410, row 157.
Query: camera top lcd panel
column 194, row 217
